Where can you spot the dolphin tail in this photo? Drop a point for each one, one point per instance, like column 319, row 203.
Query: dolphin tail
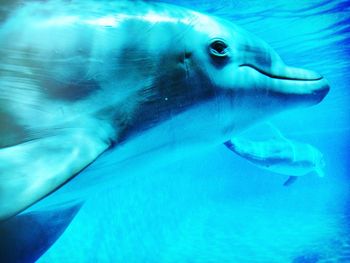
column 25, row 237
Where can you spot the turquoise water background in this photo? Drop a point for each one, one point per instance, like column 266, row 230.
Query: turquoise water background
column 216, row 207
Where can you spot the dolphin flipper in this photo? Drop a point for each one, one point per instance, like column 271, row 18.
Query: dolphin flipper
column 276, row 131
column 31, row 170
column 291, row 180
column 25, row 237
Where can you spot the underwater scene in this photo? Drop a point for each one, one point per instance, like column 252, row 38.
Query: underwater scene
column 175, row 131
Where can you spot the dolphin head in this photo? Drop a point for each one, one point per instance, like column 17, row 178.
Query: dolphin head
column 248, row 77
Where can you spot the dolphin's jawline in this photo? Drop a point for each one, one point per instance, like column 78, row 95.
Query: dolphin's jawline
column 270, row 75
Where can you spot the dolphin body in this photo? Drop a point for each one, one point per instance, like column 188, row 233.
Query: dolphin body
column 79, row 78
column 280, row 155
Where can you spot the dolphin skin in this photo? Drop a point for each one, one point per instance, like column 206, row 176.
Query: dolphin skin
column 78, row 78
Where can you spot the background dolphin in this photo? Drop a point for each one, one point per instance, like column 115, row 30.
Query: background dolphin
column 280, row 155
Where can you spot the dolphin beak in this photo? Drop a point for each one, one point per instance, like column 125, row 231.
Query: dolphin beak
column 290, row 83
column 275, row 77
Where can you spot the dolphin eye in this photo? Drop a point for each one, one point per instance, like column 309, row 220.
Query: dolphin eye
column 218, row 48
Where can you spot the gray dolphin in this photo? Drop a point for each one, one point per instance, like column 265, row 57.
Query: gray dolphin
column 80, row 77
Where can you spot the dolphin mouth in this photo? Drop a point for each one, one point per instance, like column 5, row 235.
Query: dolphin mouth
column 293, row 83
column 275, row 76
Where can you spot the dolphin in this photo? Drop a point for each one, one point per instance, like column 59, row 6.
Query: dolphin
column 280, row 155
column 80, row 78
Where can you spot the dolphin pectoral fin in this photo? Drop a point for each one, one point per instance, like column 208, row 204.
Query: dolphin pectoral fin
column 229, row 144
column 31, row 170
column 291, row 180
column 319, row 172
column 25, row 237
column 278, row 134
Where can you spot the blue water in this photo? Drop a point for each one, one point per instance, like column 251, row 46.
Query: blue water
column 216, row 207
